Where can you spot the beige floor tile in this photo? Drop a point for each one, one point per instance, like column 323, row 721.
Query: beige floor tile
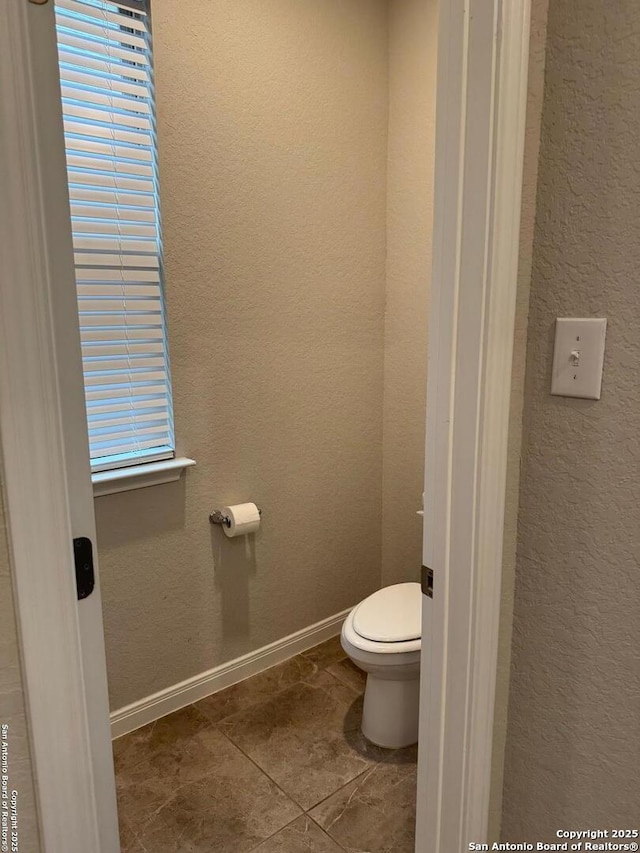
column 128, row 840
column 165, row 736
column 214, row 799
column 253, row 690
column 326, row 653
column 307, row 739
column 375, row 812
column 349, row 674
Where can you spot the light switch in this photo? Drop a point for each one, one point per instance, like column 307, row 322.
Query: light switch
column 578, row 357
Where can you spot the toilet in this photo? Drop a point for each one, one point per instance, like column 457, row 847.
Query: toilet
column 382, row 636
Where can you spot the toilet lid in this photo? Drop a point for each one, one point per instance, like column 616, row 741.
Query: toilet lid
column 391, row 615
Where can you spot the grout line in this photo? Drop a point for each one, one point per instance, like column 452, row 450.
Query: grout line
column 249, row 704
column 282, row 828
column 344, row 683
column 286, row 793
column 264, row 773
column 368, row 770
column 277, row 692
column 325, row 833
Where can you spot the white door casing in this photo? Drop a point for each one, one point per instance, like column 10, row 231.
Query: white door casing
column 481, row 102
column 43, row 431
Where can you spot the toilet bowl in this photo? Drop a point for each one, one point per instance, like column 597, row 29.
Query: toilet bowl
column 382, row 636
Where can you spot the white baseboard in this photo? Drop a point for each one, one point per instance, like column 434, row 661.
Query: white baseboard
column 178, row 696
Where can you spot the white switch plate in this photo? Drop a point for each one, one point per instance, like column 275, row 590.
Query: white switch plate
column 578, row 357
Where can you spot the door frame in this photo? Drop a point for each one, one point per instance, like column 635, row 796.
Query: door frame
column 481, row 98
column 481, row 102
column 44, row 450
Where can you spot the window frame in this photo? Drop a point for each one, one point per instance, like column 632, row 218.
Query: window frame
column 136, row 466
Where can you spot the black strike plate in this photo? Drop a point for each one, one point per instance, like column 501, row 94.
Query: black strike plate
column 83, row 556
column 427, row 581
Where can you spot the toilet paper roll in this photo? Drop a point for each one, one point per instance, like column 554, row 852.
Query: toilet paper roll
column 243, row 518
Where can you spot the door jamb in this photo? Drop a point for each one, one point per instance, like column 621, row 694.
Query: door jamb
column 483, row 48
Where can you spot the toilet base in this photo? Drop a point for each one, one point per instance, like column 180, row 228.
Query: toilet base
column 390, row 713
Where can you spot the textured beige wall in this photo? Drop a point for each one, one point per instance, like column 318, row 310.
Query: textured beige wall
column 272, row 121
column 412, row 73
column 12, row 707
column 535, row 90
column 573, row 744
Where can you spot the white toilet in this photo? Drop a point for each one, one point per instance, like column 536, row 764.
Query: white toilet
column 382, row 636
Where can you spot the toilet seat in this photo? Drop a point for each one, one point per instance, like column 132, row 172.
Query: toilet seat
column 372, row 646
column 394, row 611
column 390, row 615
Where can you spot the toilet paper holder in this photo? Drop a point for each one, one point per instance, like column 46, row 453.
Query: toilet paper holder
column 218, row 517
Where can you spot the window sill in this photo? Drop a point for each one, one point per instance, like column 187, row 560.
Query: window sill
column 139, row 476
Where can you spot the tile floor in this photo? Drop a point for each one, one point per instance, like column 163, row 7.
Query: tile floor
column 275, row 764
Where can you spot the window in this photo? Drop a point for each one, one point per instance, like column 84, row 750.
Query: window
column 104, row 51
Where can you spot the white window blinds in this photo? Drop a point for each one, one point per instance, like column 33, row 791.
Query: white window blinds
column 104, row 51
